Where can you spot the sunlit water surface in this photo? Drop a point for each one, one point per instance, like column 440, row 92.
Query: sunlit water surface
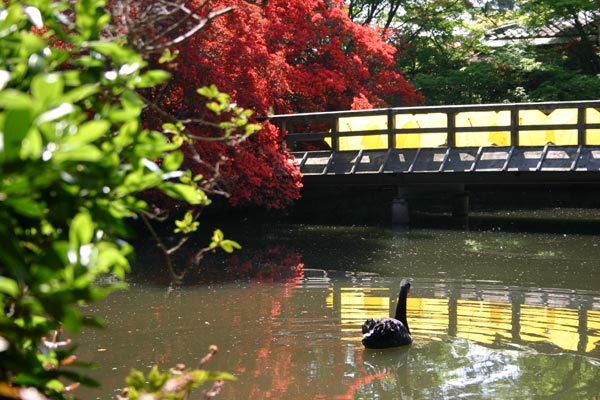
column 495, row 315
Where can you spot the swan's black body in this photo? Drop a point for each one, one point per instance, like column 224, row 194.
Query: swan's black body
column 381, row 333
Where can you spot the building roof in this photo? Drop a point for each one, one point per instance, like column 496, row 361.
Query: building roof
column 561, row 31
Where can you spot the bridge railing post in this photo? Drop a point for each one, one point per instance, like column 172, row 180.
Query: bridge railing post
column 514, row 126
column 335, row 129
column 581, row 123
column 391, row 129
column 451, row 139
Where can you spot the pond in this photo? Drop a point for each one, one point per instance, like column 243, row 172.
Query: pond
column 494, row 315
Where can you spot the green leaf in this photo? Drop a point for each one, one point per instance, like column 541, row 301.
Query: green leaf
column 135, row 379
column 47, row 88
column 55, row 385
column 9, row 287
column 72, row 320
column 26, row 207
column 168, row 56
column 32, row 145
column 91, row 17
column 152, row 78
column 203, row 376
column 185, row 192
column 10, row 18
column 229, row 245
column 81, row 231
column 16, row 126
column 80, row 93
column 127, row 133
column 111, row 259
column 187, row 225
column 118, row 53
column 171, row 128
column 156, row 380
column 11, row 99
column 89, row 132
column 173, row 161
column 216, row 239
column 152, row 144
column 90, row 63
column 132, row 101
column 215, row 107
column 86, row 153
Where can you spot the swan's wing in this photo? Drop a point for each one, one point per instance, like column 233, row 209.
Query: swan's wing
column 388, row 327
column 385, row 332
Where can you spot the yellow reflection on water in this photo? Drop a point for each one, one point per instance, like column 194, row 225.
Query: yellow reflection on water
column 593, row 322
column 428, row 316
column 485, row 322
column 356, row 305
column 556, row 325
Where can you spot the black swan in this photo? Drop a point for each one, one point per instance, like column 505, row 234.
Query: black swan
column 381, row 333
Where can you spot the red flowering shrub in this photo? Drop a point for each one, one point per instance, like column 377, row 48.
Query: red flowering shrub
column 285, row 56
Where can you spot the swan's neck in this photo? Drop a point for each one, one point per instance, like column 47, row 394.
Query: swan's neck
column 401, row 308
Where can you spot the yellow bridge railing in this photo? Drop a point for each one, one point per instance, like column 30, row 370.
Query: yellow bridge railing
column 516, row 124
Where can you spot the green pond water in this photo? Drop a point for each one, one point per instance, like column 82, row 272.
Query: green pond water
column 495, row 315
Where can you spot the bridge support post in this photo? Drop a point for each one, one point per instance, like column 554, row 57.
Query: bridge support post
column 400, row 211
column 456, row 194
column 460, row 204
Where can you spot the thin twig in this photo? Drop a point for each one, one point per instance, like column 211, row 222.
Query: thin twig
column 190, row 32
column 215, row 390
column 161, row 246
column 212, row 350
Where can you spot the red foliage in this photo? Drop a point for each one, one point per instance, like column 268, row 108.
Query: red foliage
column 286, row 56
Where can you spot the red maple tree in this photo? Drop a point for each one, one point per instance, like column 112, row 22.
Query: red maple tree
column 280, row 57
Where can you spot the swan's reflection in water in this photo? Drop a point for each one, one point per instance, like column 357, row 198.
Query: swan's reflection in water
column 387, row 372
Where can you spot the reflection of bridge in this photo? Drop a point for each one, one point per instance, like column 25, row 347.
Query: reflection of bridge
column 449, row 145
column 484, row 317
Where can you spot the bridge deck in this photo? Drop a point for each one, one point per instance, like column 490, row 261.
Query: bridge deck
column 512, row 164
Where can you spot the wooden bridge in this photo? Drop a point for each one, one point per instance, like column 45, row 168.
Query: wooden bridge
column 533, row 143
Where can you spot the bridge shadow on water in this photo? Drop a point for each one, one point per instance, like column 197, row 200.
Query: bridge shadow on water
column 535, row 209
column 561, row 221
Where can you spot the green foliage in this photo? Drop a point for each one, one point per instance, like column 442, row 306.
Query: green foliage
column 74, row 158
column 511, row 74
column 445, row 57
column 220, row 103
column 218, row 240
column 558, row 84
column 172, row 385
column 187, row 224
